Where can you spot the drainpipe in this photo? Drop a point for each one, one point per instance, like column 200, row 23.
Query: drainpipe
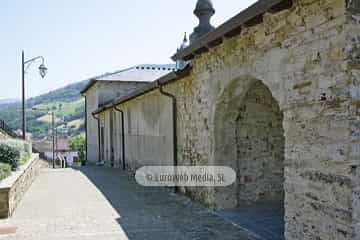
column 122, row 136
column 86, row 131
column 98, row 120
column 174, row 113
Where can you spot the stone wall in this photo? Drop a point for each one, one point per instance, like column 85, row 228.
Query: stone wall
column 299, row 55
column 13, row 188
column 352, row 65
column 259, row 143
column 307, row 57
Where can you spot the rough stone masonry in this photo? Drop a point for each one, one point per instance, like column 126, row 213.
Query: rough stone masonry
column 307, row 57
column 277, row 99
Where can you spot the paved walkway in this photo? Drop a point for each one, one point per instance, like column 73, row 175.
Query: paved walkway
column 266, row 221
column 106, row 204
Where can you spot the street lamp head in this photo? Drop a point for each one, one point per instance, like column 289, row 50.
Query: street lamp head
column 42, row 70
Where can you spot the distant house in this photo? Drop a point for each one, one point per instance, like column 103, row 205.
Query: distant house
column 105, row 88
column 62, row 149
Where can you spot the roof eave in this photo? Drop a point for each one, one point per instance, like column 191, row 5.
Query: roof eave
column 88, row 86
column 94, row 81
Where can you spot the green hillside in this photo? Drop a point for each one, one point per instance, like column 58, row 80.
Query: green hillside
column 66, row 103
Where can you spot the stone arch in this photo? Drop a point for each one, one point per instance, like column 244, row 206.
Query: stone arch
column 249, row 137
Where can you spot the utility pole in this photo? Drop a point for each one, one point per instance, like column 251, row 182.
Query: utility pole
column 53, row 136
column 23, row 96
column 56, row 143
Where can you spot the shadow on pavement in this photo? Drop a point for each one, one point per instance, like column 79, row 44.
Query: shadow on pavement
column 155, row 213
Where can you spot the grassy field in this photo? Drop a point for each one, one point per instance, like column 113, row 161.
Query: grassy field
column 76, row 123
column 47, row 118
column 68, row 114
column 66, row 103
column 62, row 108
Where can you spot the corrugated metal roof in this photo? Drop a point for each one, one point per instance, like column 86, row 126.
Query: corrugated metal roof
column 166, row 79
column 139, row 73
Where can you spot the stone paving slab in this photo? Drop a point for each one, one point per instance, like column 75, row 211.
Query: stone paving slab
column 106, row 204
column 266, row 221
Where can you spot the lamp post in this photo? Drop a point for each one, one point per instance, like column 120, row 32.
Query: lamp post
column 42, row 72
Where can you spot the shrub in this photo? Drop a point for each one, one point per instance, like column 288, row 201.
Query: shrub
column 19, row 145
column 10, row 155
column 5, row 170
column 25, row 157
column 24, row 147
column 77, row 143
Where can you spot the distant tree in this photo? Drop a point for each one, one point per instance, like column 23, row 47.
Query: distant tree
column 53, row 100
column 77, row 143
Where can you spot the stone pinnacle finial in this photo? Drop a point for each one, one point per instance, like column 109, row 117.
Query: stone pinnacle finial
column 181, row 64
column 204, row 11
column 185, row 42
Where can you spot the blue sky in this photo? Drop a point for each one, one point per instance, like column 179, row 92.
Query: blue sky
column 83, row 38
